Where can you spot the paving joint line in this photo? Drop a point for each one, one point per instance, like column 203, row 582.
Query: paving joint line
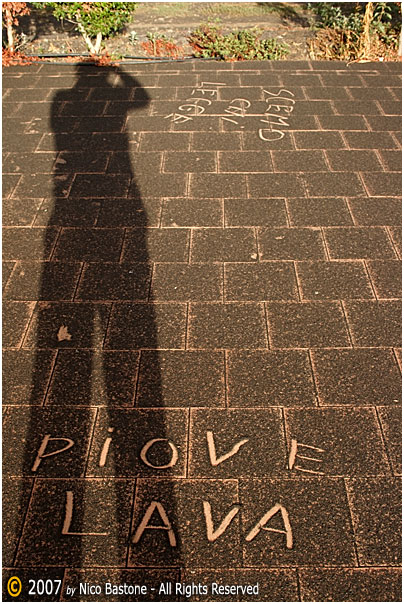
column 50, row 379
column 392, row 242
column 314, row 380
column 384, row 440
column 350, row 335
column 24, row 520
column 369, row 276
column 28, row 325
column 352, row 523
column 226, row 378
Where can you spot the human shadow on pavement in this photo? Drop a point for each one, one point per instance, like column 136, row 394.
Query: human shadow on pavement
column 95, row 316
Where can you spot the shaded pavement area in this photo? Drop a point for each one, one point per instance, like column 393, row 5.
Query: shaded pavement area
column 202, row 331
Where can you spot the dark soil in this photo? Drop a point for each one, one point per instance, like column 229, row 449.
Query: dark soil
column 286, row 22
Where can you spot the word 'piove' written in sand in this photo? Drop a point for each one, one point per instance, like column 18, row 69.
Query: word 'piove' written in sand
column 271, row 123
column 299, row 455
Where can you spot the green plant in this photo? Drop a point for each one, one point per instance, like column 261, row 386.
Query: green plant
column 208, row 41
column 153, row 37
column 350, row 15
column 387, row 21
column 92, row 19
column 356, row 31
column 336, row 16
column 133, row 37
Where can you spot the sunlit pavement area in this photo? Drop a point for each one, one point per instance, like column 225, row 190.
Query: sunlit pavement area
column 202, row 331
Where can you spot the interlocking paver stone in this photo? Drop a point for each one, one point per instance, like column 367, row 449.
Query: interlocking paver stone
column 327, row 92
column 358, row 242
column 375, row 504
column 391, row 421
column 23, row 163
column 274, row 185
column 67, row 213
column 319, row 501
column 370, row 92
column 182, row 498
column 319, row 140
column 157, row 245
column 392, row 159
column 357, row 107
column 128, row 212
column 100, row 377
column 186, row 378
column 380, row 183
column 21, row 212
column 245, row 161
column 188, row 161
column 16, row 318
column 231, row 325
column 385, row 123
column 370, row 140
column 136, row 326
column 305, row 325
column 342, row 122
column 136, row 428
column 192, row 212
column 217, row 185
column 187, row 282
column 215, row 141
column 89, row 245
column 347, row 441
column 25, row 461
column 251, row 142
column 270, row 378
column 164, row 141
column 333, row 280
column 43, row 281
column 49, row 497
column 329, row 211
column 347, row 161
column 290, row 244
column 339, row 585
column 373, row 211
column 261, row 454
column 356, row 377
column 263, row 281
column 255, row 212
column 375, row 323
column 386, row 277
column 223, row 245
column 201, row 330
column 320, row 184
column 114, row 281
column 391, row 107
column 118, row 162
column 28, row 244
column 83, row 325
column 299, row 161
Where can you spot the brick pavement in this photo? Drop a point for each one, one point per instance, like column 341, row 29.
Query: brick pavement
column 201, row 301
